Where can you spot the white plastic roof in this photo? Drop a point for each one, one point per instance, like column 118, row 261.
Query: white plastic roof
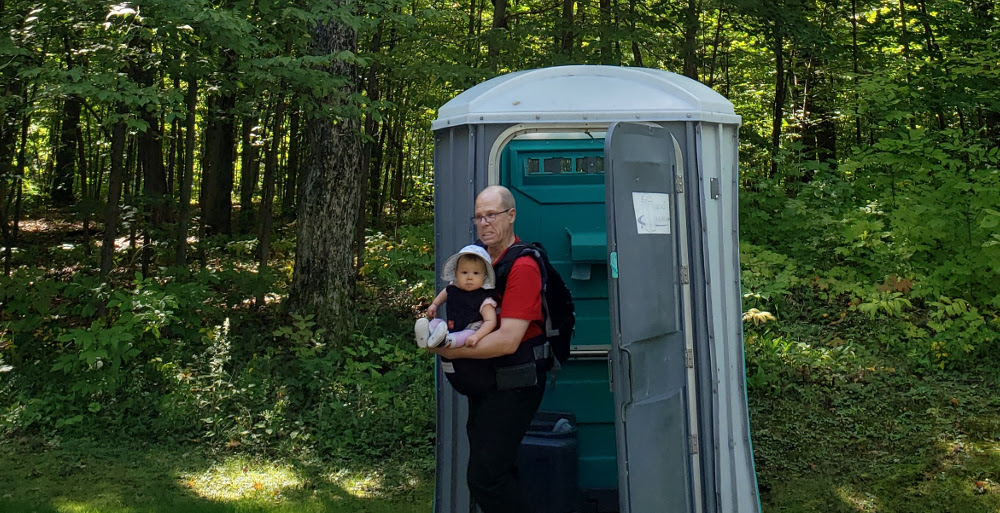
column 586, row 94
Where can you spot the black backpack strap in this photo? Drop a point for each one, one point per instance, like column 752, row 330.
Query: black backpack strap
column 506, row 262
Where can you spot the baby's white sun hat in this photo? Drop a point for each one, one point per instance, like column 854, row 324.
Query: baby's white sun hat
column 449, row 266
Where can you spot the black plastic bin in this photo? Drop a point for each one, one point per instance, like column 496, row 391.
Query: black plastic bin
column 547, row 463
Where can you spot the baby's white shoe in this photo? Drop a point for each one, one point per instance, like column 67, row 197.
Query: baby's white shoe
column 438, row 336
column 421, row 331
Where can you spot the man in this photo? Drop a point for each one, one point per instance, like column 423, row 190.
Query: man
column 501, row 405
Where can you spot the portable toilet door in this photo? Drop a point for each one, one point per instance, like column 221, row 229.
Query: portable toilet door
column 650, row 320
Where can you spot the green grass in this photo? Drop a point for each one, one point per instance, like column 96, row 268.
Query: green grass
column 890, row 442
column 86, row 477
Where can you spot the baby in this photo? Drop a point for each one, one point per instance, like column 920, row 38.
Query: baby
column 471, row 307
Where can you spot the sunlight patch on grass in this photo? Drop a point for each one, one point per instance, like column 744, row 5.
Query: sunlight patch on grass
column 68, row 506
column 359, row 485
column 859, row 501
column 239, row 479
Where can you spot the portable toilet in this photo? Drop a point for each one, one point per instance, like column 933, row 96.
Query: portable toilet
column 628, row 177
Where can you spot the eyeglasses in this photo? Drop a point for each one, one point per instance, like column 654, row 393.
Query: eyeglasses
column 489, row 218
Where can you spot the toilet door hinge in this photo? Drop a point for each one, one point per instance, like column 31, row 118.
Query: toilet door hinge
column 693, row 444
column 689, row 358
column 679, row 184
column 685, row 275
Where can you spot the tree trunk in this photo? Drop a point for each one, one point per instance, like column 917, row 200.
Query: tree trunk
column 607, row 49
column 779, row 99
column 854, row 59
column 690, row 49
column 636, row 51
column 292, row 168
column 267, row 193
column 713, row 62
column 249, row 173
column 176, row 149
column 17, row 186
column 66, row 154
column 499, row 23
column 187, row 174
column 904, row 36
column 217, row 166
column 115, row 181
column 566, row 41
column 371, row 124
column 375, row 173
column 154, row 174
column 397, row 184
column 323, row 279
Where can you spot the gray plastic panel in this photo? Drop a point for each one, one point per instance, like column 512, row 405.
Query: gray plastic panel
column 454, row 198
column 647, row 356
column 717, row 144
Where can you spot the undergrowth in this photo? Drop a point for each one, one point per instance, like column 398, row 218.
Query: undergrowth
column 184, row 355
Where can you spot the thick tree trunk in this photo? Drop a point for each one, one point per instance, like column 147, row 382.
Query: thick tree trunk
column 66, row 153
column 217, row 174
column 154, row 174
column 323, row 279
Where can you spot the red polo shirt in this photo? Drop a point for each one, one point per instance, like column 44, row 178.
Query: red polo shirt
column 522, row 298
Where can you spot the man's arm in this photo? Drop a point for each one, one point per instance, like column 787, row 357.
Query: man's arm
column 498, row 343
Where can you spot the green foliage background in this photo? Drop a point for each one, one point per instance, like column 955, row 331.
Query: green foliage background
column 869, row 212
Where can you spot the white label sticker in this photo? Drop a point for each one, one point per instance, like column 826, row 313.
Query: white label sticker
column 448, row 367
column 652, row 212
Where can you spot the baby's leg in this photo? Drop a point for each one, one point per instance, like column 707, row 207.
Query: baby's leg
column 457, row 339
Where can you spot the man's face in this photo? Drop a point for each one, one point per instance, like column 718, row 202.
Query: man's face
column 501, row 227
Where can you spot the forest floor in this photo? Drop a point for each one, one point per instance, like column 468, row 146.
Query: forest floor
column 86, row 476
column 884, row 440
column 895, row 443
column 892, row 442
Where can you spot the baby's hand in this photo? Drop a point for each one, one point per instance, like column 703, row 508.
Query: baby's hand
column 472, row 341
column 432, row 311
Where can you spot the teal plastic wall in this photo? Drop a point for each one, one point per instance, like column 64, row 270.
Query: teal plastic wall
column 558, row 186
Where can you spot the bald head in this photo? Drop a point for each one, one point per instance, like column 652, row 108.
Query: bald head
column 495, row 216
column 499, row 192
